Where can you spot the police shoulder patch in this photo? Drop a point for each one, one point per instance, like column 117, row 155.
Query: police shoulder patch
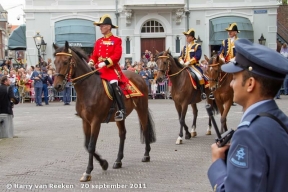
column 239, row 157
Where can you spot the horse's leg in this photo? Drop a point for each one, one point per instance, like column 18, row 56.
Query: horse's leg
column 179, row 139
column 91, row 149
column 122, row 135
column 223, row 120
column 184, row 108
column 221, row 110
column 195, row 114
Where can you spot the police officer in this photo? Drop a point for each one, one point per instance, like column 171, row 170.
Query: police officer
column 257, row 157
column 106, row 55
column 190, row 56
column 37, row 78
column 227, row 50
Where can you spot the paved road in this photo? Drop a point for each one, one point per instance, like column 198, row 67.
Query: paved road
column 49, row 152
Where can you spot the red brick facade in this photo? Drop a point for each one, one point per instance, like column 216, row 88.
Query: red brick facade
column 282, row 24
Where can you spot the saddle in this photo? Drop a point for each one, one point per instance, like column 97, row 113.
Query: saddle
column 195, row 81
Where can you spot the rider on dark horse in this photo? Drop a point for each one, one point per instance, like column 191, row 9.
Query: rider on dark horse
column 227, row 51
column 190, row 56
column 105, row 57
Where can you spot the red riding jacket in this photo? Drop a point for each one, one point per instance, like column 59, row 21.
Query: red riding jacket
column 108, row 49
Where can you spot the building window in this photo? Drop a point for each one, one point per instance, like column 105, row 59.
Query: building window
column 177, row 45
column 152, row 27
column 127, row 45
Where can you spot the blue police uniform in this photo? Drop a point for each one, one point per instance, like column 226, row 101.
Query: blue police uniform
column 258, row 156
column 38, row 85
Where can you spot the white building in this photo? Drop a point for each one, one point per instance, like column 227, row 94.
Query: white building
column 150, row 24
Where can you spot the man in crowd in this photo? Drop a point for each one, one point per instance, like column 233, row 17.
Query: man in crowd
column 7, row 98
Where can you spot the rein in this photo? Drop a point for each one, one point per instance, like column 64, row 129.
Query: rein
column 167, row 71
column 218, row 81
column 69, row 70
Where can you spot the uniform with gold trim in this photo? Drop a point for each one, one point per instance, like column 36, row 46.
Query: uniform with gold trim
column 190, row 56
column 108, row 49
column 227, row 50
column 105, row 57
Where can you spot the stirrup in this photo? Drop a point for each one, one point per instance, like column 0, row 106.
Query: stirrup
column 119, row 115
column 211, row 96
column 203, row 96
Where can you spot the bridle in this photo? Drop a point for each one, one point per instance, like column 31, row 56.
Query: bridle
column 219, row 79
column 70, row 68
column 168, row 68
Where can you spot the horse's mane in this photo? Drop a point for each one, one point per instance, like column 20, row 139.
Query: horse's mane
column 175, row 59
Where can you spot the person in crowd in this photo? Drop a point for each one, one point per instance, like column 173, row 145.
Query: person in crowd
column 257, row 157
column 151, row 63
column 38, row 85
column 46, row 80
column 190, row 56
column 1, row 74
column 7, row 98
column 147, row 54
column 146, row 75
column 67, row 93
column 105, row 57
column 144, row 60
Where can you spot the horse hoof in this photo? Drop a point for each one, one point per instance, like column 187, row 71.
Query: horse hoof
column 178, row 141
column 146, row 159
column 104, row 165
column 193, row 134
column 117, row 165
column 188, row 136
column 208, row 133
column 86, row 177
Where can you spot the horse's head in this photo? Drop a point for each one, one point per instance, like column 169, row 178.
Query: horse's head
column 214, row 70
column 163, row 62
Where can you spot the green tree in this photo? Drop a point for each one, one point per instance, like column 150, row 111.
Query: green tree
column 283, row 2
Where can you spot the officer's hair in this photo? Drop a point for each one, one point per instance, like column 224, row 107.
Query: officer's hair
column 269, row 87
column 3, row 79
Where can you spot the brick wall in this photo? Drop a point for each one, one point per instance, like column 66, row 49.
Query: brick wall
column 282, row 18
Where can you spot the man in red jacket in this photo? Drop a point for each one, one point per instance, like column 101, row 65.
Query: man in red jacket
column 105, row 57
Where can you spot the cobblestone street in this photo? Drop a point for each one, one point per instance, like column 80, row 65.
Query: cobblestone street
column 48, row 151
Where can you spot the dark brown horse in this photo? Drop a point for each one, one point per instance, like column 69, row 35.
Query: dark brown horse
column 182, row 92
column 93, row 104
column 220, row 86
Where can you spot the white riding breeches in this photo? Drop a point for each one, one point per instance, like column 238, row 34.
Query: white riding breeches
column 113, row 81
column 197, row 72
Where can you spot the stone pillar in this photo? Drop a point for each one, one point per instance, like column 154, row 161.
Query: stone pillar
column 6, row 126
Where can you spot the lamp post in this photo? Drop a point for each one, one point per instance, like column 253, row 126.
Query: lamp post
column 262, row 40
column 198, row 40
column 43, row 47
column 38, row 39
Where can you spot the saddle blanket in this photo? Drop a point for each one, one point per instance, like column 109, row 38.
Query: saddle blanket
column 193, row 82
column 128, row 89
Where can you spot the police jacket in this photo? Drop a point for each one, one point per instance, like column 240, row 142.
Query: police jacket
column 257, row 160
column 37, row 82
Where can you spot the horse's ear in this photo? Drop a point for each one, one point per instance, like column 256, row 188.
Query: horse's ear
column 206, row 58
column 55, row 46
column 168, row 50
column 66, row 46
column 157, row 52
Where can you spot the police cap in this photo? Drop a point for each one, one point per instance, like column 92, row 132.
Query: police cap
column 258, row 59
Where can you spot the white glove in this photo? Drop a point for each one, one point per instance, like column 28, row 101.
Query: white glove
column 187, row 63
column 232, row 60
column 181, row 62
column 90, row 63
column 102, row 64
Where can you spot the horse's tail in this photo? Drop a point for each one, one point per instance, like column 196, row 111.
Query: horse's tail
column 150, row 131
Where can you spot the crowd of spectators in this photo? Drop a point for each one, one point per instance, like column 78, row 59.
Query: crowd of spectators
column 27, row 82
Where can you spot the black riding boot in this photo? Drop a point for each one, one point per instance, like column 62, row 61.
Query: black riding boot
column 119, row 115
column 203, row 94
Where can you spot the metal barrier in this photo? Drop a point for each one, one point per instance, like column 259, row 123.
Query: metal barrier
column 160, row 91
